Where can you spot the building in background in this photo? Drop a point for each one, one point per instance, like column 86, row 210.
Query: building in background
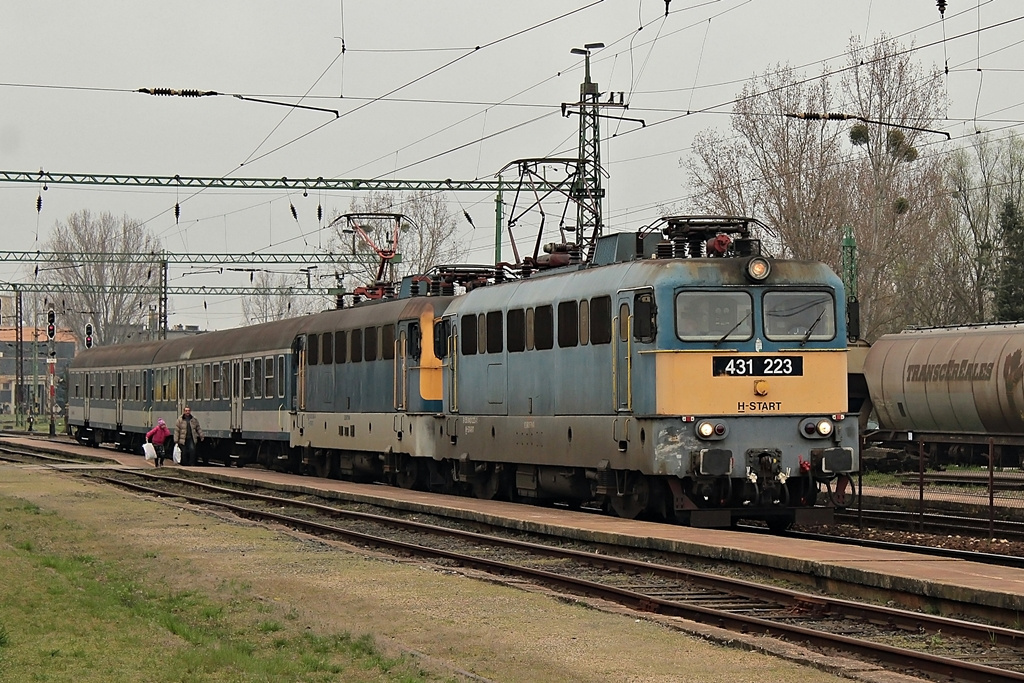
column 34, row 367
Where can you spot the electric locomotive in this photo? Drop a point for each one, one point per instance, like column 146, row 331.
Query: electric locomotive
column 686, row 378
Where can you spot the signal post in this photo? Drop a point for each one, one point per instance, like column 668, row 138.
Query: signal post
column 51, row 366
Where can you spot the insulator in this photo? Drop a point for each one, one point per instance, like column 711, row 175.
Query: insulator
column 295, row 214
column 319, row 213
column 468, row 219
column 941, row 4
column 177, row 211
column 39, row 203
column 665, row 250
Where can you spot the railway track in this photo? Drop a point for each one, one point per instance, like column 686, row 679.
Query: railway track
column 949, row 648
column 939, row 646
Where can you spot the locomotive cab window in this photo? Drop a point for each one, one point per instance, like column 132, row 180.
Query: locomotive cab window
column 799, row 316
column 442, row 330
column 645, row 317
column 415, row 341
column 714, row 316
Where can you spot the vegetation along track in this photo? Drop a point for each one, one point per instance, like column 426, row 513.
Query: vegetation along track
column 952, row 649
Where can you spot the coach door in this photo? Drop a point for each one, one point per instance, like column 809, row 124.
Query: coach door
column 119, row 402
column 402, row 366
column 622, row 360
column 236, row 395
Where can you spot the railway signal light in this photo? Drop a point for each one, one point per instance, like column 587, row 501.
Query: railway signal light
column 88, row 335
column 51, row 324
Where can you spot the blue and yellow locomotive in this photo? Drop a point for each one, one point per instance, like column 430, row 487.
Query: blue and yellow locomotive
column 679, row 375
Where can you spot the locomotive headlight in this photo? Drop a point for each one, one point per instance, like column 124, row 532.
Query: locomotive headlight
column 758, row 268
column 705, row 429
column 824, row 427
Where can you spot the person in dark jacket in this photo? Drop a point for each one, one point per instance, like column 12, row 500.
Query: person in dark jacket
column 187, row 434
column 160, row 437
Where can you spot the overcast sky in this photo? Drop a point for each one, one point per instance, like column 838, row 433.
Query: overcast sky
column 427, row 90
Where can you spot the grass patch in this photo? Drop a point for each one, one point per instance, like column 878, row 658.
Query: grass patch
column 73, row 615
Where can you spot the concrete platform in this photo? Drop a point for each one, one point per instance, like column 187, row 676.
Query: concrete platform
column 946, row 586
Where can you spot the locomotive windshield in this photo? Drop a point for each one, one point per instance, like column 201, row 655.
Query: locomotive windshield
column 714, row 316
column 799, row 316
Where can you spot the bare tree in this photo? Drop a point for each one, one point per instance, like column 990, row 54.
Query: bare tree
column 782, row 170
column 979, row 180
column 426, row 239
column 807, row 183
column 116, row 316
column 268, row 306
column 894, row 210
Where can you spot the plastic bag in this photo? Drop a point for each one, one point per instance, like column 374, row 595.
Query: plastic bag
column 177, row 454
column 149, row 450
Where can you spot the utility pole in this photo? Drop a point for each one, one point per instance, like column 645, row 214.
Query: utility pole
column 586, row 188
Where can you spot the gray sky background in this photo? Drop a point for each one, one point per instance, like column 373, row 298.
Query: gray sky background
column 69, row 71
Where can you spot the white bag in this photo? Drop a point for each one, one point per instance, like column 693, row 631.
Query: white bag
column 149, row 450
column 177, row 454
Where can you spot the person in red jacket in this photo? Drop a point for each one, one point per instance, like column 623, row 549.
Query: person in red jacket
column 160, row 437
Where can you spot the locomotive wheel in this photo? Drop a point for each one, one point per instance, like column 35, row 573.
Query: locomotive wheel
column 486, row 486
column 318, row 463
column 635, row 499
column 410, row 473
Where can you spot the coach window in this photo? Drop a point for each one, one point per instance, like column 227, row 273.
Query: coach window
column 495, row 335
column 225, row 375
column 190, row 386
column 208, row 382
column 568, row 324
column 247, row 378
column 531, row 328
column 713, row 316
column 799, row 316
column 138, row 387
column 200, row 383
column 357, row 346
column 340, row 346
column 645, row 317
column 601, row 320
column 257, row 377
column 544, row 324
column 469, row 335
column 269, row 388
column 387, row 342
column 280, row 376
column 215, row 381
column 516, row 321
column 312, row 350
column 327, row 348
column 370, row 343
column 623, row 322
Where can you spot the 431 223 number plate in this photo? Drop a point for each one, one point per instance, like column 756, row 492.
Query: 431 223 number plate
column 758, row 366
